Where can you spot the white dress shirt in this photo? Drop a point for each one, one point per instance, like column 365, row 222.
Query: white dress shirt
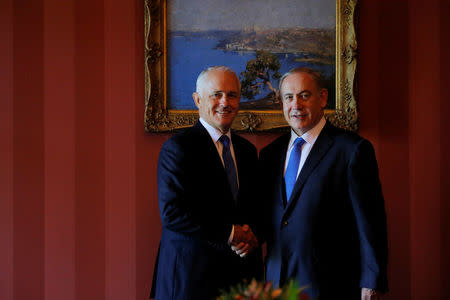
column 310, row 138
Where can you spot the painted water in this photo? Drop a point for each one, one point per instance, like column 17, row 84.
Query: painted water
column 189, row 54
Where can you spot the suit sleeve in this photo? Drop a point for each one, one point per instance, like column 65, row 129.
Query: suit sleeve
column 368, row 205
column 176, row 202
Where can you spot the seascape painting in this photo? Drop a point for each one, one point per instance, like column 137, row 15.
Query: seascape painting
column 260, row 40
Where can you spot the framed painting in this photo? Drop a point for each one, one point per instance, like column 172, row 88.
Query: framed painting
column 260, row 40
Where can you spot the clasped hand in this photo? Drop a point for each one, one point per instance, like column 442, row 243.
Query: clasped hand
column 244, row 240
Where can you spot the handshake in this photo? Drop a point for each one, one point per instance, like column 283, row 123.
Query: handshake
column 244, row 240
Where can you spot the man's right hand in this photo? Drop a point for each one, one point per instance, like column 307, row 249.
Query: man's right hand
column 244, row 240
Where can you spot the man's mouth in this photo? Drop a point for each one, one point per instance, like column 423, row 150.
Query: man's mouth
column 224, row 111
column 299, row 116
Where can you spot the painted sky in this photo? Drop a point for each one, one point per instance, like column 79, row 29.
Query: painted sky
column 241, row 14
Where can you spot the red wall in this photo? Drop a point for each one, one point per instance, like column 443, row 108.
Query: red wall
column 78, row 208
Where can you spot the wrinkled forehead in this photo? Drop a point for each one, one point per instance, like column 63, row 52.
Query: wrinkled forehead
column 298, row 82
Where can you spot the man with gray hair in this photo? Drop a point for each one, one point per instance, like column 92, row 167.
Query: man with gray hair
column 206, row 199
column 325, row 222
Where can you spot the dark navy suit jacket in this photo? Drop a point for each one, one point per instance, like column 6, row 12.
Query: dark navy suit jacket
column 331, row 234
column 197, row 212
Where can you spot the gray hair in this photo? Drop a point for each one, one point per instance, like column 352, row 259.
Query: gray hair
column 314, row 74
column 202, row 76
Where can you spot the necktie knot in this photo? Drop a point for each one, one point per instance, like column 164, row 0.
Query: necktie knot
column 299, row 143
column 225, row 140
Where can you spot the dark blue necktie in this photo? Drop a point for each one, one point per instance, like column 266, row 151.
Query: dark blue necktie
column 291, row 171
column 230, row 168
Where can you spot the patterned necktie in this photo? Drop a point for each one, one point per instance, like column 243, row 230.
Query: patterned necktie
column 230, row 168
column 291, row 171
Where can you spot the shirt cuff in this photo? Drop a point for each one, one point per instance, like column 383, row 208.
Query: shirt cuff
column 230, row 239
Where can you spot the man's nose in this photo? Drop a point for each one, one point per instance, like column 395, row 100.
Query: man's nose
column 224, row 99
column 297, row 102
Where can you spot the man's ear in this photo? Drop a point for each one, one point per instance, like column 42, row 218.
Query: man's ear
column 196, row 97
column 323, row 97
column 278, row 97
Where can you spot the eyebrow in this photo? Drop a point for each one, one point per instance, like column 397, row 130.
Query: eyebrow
column 301, row 92
column 220, row 91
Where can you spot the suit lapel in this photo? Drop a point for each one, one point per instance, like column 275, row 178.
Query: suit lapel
column 205, row 139
column 280, row 170
column 320, row 148
column 209, row 152
column 237, row 155
column 212, row 158
column 240, row 158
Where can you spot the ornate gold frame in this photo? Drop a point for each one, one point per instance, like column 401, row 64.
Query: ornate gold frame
column 160, row 119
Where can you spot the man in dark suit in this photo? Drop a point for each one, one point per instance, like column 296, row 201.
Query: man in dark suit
column 205, row 176
column 325, row 218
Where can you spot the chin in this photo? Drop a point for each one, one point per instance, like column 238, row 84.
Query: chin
column 225, row 122
column 299, row 126
column 224, row 125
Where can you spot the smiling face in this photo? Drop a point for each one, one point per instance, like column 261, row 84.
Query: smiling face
column 303, row 101
column 218, row 99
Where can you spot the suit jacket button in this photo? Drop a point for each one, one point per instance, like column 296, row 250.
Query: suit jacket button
column 285, row 223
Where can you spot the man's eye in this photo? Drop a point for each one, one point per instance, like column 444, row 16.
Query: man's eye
column 232, row 95
column 305, row 96
column 288, row 97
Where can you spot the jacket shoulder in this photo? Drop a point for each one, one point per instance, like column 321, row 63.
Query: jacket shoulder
column 185, row 138
column 347, row 141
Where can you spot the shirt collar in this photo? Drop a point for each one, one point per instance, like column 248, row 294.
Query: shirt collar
column 311, row 135
column 214, row 133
